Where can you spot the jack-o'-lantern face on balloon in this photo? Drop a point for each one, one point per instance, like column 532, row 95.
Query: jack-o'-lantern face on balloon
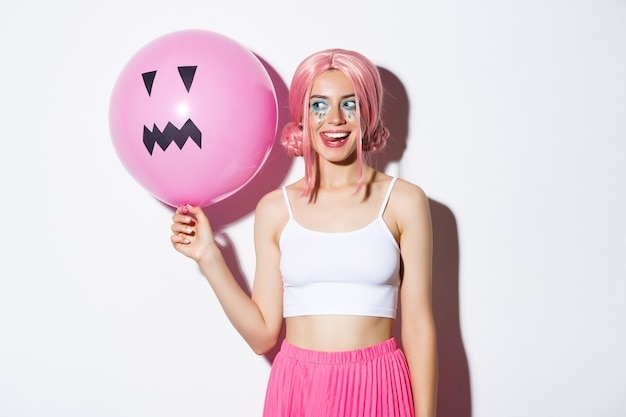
column 193, row 117
column 170, row 132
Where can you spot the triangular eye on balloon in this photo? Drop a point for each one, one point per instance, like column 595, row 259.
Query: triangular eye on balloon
column 148, row 80
column 186, row 74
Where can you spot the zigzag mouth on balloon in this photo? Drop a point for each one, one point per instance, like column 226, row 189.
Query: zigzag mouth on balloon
column 171, row 134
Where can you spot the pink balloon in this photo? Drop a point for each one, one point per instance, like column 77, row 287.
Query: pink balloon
column 193, row 116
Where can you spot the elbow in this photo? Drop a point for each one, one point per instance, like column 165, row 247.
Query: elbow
column 260, row 350
column 263, row 346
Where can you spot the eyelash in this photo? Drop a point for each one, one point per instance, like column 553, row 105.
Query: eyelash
column 322, row 107
column 349, row 105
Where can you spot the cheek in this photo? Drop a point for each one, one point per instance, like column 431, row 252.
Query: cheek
column 314, row 122
column 314, row 139
column 350, row 115
column 316, row 118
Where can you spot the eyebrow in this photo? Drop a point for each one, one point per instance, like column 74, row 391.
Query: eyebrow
column 327, row 97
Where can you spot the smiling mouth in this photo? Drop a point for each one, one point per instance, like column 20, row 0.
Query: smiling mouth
column 334, row 139
column 171, row 134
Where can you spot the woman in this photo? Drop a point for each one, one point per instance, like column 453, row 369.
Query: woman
column 333, row 250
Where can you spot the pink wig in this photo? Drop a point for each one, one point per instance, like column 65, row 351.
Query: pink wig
column 369, row 96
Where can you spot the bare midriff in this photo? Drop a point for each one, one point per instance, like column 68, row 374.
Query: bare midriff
column 335, row 333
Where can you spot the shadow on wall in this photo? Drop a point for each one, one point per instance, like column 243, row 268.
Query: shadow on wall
column 454, row 390
column 454, row 394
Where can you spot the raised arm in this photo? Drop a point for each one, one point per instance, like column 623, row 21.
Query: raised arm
column 258, row 318
column 418, row 329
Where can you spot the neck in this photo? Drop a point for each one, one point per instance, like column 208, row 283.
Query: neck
column 331, row 176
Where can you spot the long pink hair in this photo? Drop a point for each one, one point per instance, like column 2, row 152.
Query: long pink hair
column 369, row 96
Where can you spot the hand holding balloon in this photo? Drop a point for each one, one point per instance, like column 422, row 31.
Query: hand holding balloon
column 192, row 234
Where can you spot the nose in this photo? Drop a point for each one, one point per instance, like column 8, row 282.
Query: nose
column 336, row 115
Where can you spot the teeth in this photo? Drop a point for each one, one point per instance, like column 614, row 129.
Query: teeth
column 336, row 135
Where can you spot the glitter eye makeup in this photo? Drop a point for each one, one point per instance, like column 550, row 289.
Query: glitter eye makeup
column 349, row 107
column 319, row 108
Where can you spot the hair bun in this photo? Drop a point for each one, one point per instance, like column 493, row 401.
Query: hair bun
column 376, row 140
column 292, row 139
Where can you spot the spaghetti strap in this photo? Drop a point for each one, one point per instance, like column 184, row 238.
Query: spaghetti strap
column 386, row 199
column 287, row 202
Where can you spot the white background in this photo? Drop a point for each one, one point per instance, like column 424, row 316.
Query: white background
column 511, row 115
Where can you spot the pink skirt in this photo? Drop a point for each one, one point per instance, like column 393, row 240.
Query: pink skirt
column 369, row 382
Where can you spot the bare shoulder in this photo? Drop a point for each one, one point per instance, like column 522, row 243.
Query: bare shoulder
column 271, row 213
column 272, row 205
column 409, row 203
column 406, row 193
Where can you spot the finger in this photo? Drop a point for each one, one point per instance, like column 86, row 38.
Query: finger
column 178, row 239
column 182, row 218
column 178, row 228
column 197, row 213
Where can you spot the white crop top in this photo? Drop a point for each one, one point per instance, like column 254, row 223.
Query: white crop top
column 347, row 273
